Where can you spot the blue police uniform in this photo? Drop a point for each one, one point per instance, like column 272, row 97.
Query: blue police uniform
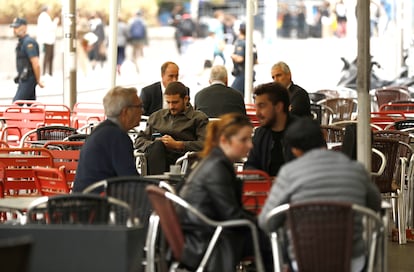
column 26, row 49
column 239, row 68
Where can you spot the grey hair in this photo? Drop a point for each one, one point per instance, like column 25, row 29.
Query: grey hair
column 218, row 73
column 118, row 98
column 285, row 68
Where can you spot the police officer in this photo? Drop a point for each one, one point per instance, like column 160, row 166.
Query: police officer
column 27, row 62
column 238, row 58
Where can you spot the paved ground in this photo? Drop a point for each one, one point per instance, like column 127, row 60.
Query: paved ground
column 315, row 64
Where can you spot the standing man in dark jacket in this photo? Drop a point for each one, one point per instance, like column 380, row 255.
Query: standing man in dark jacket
column 218, row 98
column 299, row 98
column 270, row 151
column 239, row 60
column 27, row 62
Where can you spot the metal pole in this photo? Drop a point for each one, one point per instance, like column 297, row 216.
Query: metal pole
column 248, row 61
column 113, row 43
column 69, row 52
column 363, row 84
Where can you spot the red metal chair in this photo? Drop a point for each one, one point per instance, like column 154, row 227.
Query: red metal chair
column 55, row 114
column 65, row 154
column 84, row 113
column 50, row 181
column 16, row 169
column 256, row 188
column 20, row 120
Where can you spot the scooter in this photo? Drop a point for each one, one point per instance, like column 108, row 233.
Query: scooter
column 349, row 72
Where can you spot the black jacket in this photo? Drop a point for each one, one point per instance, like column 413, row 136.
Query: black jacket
column 299, row 101
column 151, row 97
column 213, row 189
column 218, row 99
column 260, row 155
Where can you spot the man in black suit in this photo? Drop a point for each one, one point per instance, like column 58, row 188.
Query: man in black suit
column 218, row 98
column 152, row 95
column 299, row 98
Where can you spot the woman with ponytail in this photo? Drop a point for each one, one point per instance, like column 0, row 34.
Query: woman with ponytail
column 213, row 189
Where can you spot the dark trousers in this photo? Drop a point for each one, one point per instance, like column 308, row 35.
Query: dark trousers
column 238, row 83
column 48, row 59
column 159, row 158
column 26, row 89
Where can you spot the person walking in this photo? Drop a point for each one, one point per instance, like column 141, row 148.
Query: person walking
column 27, row 62
column 122, row 42
column 46, row 37
column 239, row 58
column 137, row 37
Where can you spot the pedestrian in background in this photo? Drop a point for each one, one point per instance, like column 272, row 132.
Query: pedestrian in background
column 239, row 60
column 122, row 42
column 46, row 37
column 27, row 62
column 137, row 37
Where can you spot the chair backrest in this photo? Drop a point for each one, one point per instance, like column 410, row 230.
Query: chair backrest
column 15, row 254
column 170, row 223
column 84, row 113
column 50, row 181
column 392, row 106
column 21, row 120
column 342, row 107
column 316, row 97
column 314, row 229
column 333, row 134
column 70, row 209
column 404, row 124
column 389, row 94
column 65, row 154
column 328, row 93
column 16, row 168
column 55, row 114
column 391, row 149
column 130, row 189
column 50, row 133
column 256, row 188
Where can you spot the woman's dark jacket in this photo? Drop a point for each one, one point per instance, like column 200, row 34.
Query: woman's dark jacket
column 214, row 190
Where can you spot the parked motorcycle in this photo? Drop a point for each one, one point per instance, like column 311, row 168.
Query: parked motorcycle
column 349, row 72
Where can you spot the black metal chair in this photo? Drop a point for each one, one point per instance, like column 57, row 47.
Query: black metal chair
column 78, row 208
column 130, row 189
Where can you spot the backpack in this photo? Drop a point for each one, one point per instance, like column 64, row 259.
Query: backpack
column 137, row 29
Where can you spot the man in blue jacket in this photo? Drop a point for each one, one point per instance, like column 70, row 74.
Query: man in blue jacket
column 108, row 151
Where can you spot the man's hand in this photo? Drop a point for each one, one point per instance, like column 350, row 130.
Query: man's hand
column 170, row 143
column 41, row 84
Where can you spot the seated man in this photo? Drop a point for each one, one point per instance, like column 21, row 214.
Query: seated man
column 172, row 132
column 218, row 99
column 319, row 174
column 299, row 98
column 269, row 151
column 151, row 95
column 108, row 151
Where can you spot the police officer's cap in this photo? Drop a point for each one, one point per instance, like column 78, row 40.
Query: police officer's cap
column 18, row 22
